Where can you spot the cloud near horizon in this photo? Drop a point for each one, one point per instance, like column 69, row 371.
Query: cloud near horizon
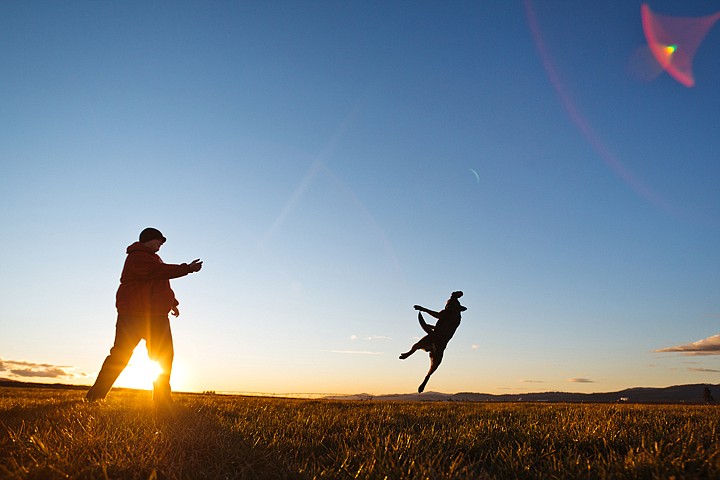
column 580, row 380
column 370, row 337
column 356, row 352
column 20, row 368
column 706, row 346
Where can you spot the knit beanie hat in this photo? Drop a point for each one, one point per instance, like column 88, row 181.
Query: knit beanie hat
column 151, row 234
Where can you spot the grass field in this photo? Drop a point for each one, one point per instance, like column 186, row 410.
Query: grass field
column 46, row 434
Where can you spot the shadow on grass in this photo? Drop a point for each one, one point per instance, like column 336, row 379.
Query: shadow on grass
column 63, row 437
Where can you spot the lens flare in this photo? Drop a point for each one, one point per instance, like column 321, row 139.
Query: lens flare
column 611, row 160
column 140, row 372
column 673, row 41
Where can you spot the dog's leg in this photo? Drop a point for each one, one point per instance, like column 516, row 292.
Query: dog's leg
column 428, row 311
column 424, row 343
column 405, row 355
column 436, row 357
column 421, row 388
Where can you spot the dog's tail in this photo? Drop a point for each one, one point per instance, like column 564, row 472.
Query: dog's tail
column 429, row 329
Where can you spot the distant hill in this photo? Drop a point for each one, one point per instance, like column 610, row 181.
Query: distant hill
column 687, row 394
column 676, row 394
column 6, row 382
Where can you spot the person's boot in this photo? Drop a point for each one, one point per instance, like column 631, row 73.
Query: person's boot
column 92, row 395
column 109, row 372
column 102, row 385
column 162, row 397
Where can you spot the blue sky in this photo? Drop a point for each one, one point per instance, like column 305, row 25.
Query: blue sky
column 334, row 164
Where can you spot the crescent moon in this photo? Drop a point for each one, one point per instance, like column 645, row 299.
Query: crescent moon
column 477, row 177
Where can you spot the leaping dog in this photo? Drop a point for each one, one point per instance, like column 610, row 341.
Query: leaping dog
column 438, row 335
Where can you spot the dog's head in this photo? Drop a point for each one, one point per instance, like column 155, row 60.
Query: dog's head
column 453, row 303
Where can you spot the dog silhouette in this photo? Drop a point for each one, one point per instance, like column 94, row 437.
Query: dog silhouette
column 438, row 335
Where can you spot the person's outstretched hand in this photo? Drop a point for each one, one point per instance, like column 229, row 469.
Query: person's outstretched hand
column 195, row 265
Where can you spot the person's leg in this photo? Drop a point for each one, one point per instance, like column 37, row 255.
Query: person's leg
column 127, row 335
column 160, row 349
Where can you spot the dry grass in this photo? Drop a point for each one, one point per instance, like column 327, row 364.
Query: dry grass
column 53, row 434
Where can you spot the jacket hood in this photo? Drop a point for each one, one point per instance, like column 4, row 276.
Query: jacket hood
column 139, row 247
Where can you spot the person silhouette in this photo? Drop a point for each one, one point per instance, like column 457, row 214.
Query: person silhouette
column 438, row 335
column 143, row 301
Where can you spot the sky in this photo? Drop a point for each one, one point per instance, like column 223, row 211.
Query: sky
column 335, row 163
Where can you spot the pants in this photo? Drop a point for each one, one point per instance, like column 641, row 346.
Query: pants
column 129, row 330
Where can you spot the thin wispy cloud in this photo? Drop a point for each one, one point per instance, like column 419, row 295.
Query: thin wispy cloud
column 706, row 346
column 356, row 352
column 704, row 370
column 532, row 381
column 475, row 346
column 370, row 338
column 580, row 380
column 24, row 369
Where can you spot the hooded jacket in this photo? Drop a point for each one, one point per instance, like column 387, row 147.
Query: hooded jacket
column 145, row 283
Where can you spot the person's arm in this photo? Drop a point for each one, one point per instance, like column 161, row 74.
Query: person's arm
column 148, row 266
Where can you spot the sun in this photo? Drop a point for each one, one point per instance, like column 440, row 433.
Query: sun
column 140, row 372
